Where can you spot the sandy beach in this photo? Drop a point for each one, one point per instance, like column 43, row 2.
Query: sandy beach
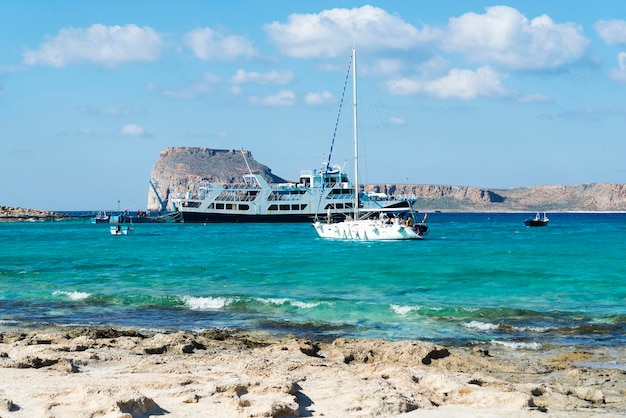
column 219, row 373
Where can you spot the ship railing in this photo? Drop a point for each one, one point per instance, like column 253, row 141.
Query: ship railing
column 283, row 197
column 228, row 196
column 346, row 196
column 403, row 197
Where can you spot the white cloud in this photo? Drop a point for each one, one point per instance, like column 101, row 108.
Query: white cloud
column 191, row 92
column 236, row 90
column 132, row 130
column 273, row 77
column 458, row 84
column 394, row 120
column 211, row 78
column 208, row 44
column 385, row 66
column 332, row 32
column 505, row 37
column 9, row 69
column 107, row 45
column 619, row 73
column 534, row 98
column 282, row 98
column 202, row 88
column 319, row 98
column 613, row 32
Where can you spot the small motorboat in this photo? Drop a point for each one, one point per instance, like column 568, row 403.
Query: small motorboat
column 120, row 229
column 100, row 218
column 537, row 220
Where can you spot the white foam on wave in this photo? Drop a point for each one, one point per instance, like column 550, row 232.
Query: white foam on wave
column 72, row 295
column 403, row 310
column 308, row 305
column 517, row 345
column 534, row 329
column 482, row 326
column 487, row 326
column 273, row 301
column 295, row 303
column 206, row 303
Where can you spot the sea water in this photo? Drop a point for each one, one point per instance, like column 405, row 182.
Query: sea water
column 477, row 278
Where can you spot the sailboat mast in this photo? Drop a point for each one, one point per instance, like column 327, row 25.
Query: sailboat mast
column 356, row 144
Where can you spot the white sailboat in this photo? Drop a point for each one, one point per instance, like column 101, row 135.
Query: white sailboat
column 368, row 225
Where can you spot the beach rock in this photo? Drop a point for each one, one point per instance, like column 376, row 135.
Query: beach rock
column 435, row 354
column 61, row 364
column 368, row 351
column 137, row 404
column 309, row 348
column 11, row 337
column 179, row 342
column 588, row 394
column 104, row 333
column 6, row 405
column 250, row 376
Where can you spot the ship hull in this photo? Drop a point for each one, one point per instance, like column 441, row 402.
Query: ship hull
column 198, row 217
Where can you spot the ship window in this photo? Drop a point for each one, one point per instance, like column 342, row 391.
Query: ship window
column 231, row 206
column 284, row 207
column 303, row 207
column 340, row 192
column 219, row 206
column 295, row 207
column 273, row 207
column 244, row 207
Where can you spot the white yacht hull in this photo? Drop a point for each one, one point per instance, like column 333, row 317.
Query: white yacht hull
column 367, row 230
column 120, row 230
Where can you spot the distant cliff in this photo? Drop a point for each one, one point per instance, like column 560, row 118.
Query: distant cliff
column 550, row 198
column 179, row 169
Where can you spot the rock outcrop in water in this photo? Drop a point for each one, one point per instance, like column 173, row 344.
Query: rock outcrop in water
column 179, row 169
column 13, row 214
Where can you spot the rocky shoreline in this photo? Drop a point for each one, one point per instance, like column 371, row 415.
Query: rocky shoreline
column 114, row 373
column 15, row 214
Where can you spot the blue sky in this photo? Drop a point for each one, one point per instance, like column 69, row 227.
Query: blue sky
column 474, row 93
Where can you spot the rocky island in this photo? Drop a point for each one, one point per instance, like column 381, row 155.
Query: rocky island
column 13, row 214
column 179, row 169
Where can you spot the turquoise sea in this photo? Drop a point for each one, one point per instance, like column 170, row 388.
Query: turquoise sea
column 477, row 278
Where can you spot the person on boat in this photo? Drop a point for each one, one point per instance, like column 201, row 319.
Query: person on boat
column 409, row 221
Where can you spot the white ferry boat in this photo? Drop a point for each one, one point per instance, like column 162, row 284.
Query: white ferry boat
column 323, row 193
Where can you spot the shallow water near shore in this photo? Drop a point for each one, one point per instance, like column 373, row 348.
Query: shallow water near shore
column 477, row 278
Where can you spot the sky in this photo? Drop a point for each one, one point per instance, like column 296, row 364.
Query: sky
column 493, row 94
